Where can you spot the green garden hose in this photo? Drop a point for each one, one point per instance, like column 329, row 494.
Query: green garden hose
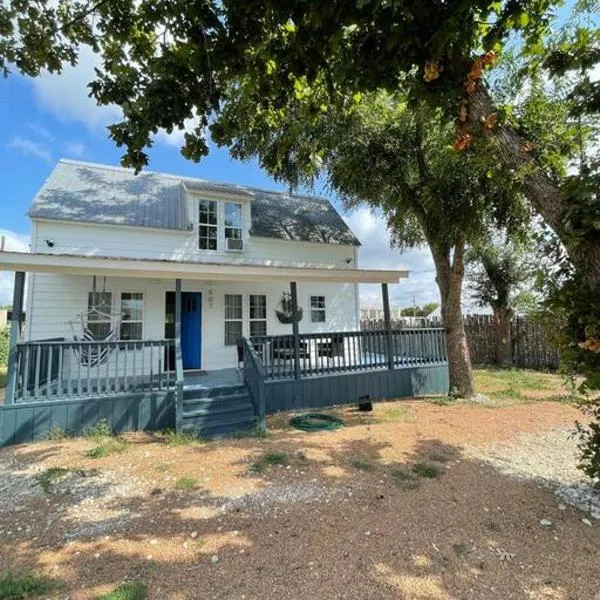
column 316, row 422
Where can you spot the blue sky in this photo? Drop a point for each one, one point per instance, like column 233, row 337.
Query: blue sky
column 51, row 117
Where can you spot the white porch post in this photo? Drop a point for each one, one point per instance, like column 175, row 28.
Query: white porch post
column 387, row 325
column 295, row 328
column 15, row 335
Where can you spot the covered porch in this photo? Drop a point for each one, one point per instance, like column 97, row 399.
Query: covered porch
column 142, row 384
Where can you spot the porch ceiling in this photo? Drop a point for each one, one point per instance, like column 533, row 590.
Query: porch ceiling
column 170, row 269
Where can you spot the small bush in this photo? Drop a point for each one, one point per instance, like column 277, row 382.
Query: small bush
column 274, row 457
column 50, row 477
column 101, row 429
column 57, row 434
column 186, row 483
column 107, row 447
column 26, row 584
column 3, row 347
column 132, row 590
column 589, row 442
column 426, row 470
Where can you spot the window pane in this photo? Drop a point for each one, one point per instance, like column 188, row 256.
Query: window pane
column 132, row 306
column 99, row 331
column 233, row 332
column 258, row 328
column 234, row 234
column 317, row 301
column 258, row 307
column 233, row 306
column 318, row 316
column 233, row 214
column 207, row 212
column 131, row 331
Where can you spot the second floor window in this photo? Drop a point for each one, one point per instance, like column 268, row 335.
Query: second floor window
column 233, row 220
column 207, row 225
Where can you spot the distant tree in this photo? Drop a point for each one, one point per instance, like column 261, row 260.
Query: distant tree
column 420, row 311
column 500, row 275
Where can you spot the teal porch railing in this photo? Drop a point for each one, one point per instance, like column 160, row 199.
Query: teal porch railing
column 58, row 369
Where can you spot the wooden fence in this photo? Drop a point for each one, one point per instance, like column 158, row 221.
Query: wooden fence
column 532, row 348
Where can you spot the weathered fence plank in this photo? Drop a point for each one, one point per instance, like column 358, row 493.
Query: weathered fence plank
column 532, row 348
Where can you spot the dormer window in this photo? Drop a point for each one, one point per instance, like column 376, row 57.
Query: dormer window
column 207, row 225
column 233, row 221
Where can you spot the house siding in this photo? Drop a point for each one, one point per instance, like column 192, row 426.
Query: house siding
column 57, row 299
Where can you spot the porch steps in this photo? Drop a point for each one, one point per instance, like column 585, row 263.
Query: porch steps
column 218, row 410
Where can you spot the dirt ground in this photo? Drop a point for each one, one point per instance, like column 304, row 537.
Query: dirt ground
column 348, row 515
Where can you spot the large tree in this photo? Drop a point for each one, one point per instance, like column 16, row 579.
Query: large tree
column 165, row 61
column 395, row 156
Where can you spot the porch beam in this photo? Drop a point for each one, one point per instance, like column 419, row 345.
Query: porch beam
column 15, row 335
column 295, row 328
column 178, row 359
column 387, row 324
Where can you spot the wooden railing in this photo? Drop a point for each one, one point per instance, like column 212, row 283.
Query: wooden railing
column 51, row 369
column 254, row 376
column 323, row 353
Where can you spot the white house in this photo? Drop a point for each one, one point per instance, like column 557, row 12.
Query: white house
column 138, row 281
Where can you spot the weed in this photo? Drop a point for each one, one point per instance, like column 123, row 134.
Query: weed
column 492, row 526
column 256, row 433
column 186, row 483
column 182, row 438
column 403, row 478
column 101, row 429
column 439, row 400
column 273, row 457
column 302, row 458
column 362, row 464
column 106, row 447
column 26, row 584
column 426, row 470
column 132, row 590
column 57, row 434
column 460, row 549
column 46, row 479
column 438, row 457
column 162, row 467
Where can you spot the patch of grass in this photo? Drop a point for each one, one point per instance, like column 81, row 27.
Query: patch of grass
column 438, row 457
column 426, row 470
column 302, row 458
column 162, row 467
column 268, row 459
column 101, row 429
column 404, row 478
column 182, row 438
column 460, row 549
column 26, row 584
column 50, row 477
column 132, row 590
column 362, row 464
column 57, row 434
column 492, row 526
column 106, row 447
column 392, row 414
column 2, row 377
column 186, row 483
column 439, row 400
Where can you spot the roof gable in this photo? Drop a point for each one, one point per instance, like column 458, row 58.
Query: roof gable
column 90, row 193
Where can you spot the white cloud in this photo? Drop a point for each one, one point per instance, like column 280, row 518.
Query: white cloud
column 15, row 242
column 76, row 149
column 30, row 147
column 376, row 253
column 66, row 95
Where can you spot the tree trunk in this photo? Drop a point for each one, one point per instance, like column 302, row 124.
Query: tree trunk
column 502, row 319
column 449, row 277
column 545, row 196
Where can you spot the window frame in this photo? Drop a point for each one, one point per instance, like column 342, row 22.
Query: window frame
column 318, row 309
column 227, row 319
column 139, row 321
column 212, row 204
column 252, row 320
column 232, row 228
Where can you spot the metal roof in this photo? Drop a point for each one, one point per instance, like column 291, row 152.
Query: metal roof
column 92, row 193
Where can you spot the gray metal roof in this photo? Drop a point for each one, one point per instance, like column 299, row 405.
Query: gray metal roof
column 91, row 193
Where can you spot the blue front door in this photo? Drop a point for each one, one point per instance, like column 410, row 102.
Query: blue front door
column 191, row 329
